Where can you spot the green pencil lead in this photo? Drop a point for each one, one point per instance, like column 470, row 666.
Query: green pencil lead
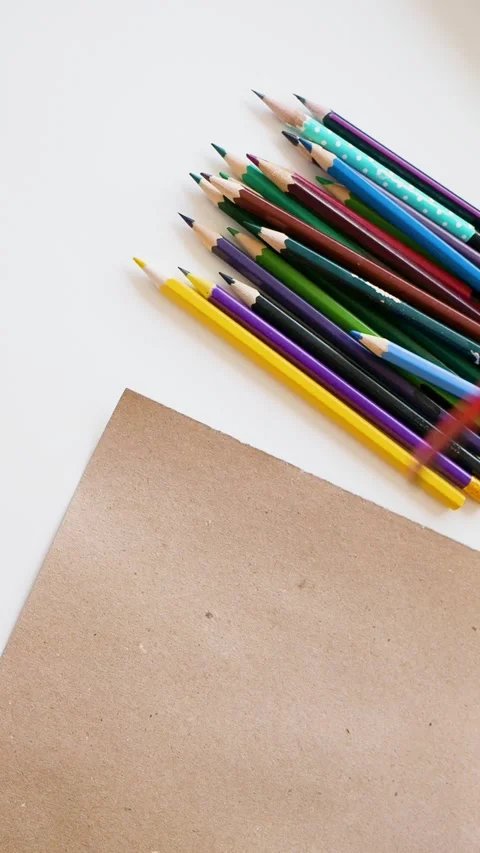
column 195, row 177
column 219, row 149
column 233, row 231
column 255, row 229
column 225, row 176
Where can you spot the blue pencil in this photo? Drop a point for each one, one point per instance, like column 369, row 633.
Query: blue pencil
column 398, row 216
column 406, row 360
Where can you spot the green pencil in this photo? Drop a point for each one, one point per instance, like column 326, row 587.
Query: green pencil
column 319, row 294
column 296, row 281
column 252, row 177
column 384, row 301
column 224, row 204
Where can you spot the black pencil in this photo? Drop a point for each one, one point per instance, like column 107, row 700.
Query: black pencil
column 328, row 355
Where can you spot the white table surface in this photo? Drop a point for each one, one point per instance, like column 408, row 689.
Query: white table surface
column 106, row 107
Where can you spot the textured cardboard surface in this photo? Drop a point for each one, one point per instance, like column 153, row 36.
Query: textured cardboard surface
column 224, row 654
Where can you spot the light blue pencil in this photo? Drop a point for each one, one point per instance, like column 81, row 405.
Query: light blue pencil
column 406, row 360
column 398, row 216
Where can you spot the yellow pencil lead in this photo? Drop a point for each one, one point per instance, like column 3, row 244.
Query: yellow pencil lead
column 140, row 263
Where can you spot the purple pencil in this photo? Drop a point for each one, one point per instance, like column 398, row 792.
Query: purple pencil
column 331, row 381
column 325, row 328
column 393, row 161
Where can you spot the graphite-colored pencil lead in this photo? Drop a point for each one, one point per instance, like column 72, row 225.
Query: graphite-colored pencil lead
column 300, row 98
column 258, row 94
column 219, row 149
column 253, row 159
column 140, row 263
column 195, row 177
column 185, row 272
column 228, row 278
column 187, row 219
column 291, row 137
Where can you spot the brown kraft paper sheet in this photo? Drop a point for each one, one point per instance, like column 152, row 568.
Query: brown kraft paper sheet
column 224, row 654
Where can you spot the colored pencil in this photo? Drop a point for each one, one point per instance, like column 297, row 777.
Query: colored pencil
column 268, row 213
column 388, row 208
column 393, row 161
column 282, row 243
column 350, row 373
column 229, row 253
column 253, row 178
column 324, row 271
column 218, row 199
column 421, row 367
column 353, row 203
column 391, row 251
column 316, row 132
column 439, row 440
column 230, row 330
column 333, row 327
column 296, row 302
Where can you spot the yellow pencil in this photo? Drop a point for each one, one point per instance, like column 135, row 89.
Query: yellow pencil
column 292, row 377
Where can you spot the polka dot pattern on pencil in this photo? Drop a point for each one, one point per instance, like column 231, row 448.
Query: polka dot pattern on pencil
column 370, row 168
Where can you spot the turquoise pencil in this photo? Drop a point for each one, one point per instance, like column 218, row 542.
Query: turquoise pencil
column 406, row 360
column 398, row 216
column 313, row 130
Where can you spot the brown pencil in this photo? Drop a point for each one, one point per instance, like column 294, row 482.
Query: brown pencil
column 388, row 249
column 283, row 221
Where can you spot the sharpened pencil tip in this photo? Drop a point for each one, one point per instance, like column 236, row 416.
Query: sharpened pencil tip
column 195, row 177
column 233, row 231
column 140, row 263
column 258, row 94
column 300, row 98
column 291, row 137
column 306, row 144
column 206, row 175
column 227, row 278
column 255, row 229
column 225, row 176
column 187, row 219
column 219, row 149
column 185, row 272
column 253, row 159
column 357, row 335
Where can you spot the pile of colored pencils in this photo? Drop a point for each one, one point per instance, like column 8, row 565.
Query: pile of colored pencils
column 356, row 286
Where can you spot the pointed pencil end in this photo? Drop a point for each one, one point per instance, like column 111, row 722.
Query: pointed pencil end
column 258, row 94
column 140, row 263
column 291, row 137
column 253, row 159
column 185, row 272
column 187, row 219
column 255, row 229
column 300, row 98
column 195, row 177
column 233, row 231
column 219, row 149
column 357, row 335
column 206, row 175
column 305, row 142
column 227, row 278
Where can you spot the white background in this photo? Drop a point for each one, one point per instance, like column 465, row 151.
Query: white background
column 106, row 106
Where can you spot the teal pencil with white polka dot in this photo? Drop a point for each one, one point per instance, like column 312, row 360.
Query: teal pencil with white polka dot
column 397, row 215
column 313, row 130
